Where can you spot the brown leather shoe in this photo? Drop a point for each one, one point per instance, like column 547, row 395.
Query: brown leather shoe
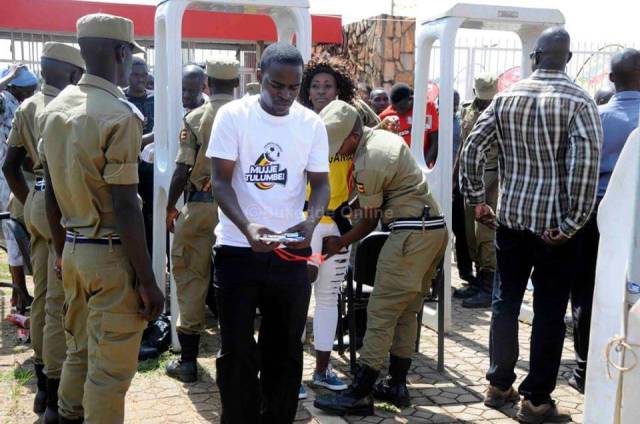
column 496, row 398
column 544, row 413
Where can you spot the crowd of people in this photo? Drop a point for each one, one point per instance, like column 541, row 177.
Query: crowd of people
column 272, row 182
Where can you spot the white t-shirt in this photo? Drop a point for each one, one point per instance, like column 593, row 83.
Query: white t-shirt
column 272, row 155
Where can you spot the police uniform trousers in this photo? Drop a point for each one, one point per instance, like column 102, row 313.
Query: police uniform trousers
column 480, row 238
column 103, row 329
column 406, row 266
column 191, row 259
column 47, row 334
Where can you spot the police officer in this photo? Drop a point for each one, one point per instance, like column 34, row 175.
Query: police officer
column 91, row 138
column 390, row 186
column 480, row 238
column 61, row 65
column 194, row 225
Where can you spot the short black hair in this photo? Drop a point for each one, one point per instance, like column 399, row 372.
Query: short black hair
column 400, row 91
column 281, row 52
column 223, row 85
column 137, row 60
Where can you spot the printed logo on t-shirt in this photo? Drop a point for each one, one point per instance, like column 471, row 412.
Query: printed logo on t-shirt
column 267, row 171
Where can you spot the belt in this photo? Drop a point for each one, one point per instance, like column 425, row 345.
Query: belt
column 72, row 237
column 40, row 184
column 430, row 223
column 200, row 196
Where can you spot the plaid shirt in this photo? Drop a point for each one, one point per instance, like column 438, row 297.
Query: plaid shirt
column 549, row 135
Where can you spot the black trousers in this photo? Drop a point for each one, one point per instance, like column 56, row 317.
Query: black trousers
column 463, row 260
column 244, row 281
column 582, row 287
column 522, row 254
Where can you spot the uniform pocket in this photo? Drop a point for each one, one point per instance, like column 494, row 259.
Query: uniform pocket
column 122, row 323
column 413, row 243
column 178, row 259
column 118, row 343
column 68, row 334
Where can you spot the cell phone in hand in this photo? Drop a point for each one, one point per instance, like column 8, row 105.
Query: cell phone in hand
column 295, row 237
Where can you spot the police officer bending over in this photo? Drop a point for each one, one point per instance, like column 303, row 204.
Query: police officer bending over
column 390, row 186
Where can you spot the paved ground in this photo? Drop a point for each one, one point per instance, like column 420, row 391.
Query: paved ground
column 454, row 396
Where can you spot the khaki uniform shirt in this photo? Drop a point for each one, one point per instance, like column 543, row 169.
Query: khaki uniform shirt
column 469, row 116
column 194, row 140
column 387, row 176
column 25, row 132
column 91, row 137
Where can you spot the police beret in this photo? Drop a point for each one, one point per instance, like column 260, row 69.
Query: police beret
column 223, row 68
column 339, row 118
column 486, row 87
column 102, row 25
column 63, row 53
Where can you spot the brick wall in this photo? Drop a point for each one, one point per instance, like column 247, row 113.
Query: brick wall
column 379, row 50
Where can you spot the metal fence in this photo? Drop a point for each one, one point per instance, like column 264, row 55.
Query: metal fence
column 26, row 48
column 589, row 65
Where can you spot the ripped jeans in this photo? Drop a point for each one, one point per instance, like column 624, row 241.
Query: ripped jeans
column 326, row 288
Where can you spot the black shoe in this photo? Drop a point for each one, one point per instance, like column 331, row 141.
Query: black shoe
column 467, row 276
column 482, row 299
column 356, row 400
column 577, row 384
column 393, row 388
column 185, row 371
column 40, row 399
column 185, row 368
column 51, row 414
column 466, row 292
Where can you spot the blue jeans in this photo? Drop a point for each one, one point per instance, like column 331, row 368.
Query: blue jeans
column 521, row 254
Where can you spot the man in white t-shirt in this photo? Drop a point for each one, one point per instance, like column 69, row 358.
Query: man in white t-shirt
column 265, row 149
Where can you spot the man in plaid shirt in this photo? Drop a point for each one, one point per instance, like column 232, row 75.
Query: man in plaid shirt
column 548, row 134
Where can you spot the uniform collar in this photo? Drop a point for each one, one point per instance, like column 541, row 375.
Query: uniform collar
column 96, row 81
column 366, row 135
column 220, row 97
column 50, row 90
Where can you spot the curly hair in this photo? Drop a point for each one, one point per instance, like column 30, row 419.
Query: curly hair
column 332, row 66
